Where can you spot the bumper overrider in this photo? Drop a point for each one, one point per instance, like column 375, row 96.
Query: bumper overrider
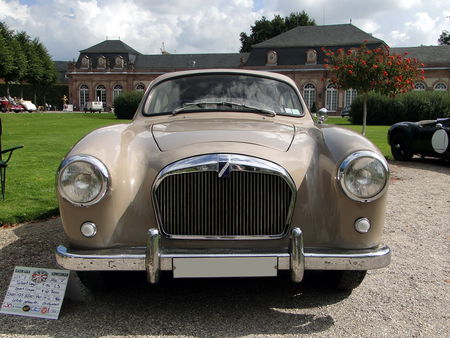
column 154, row 259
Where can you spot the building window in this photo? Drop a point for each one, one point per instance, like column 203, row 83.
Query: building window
column 118, row 62
column 419, row 86
column 100, row 94
column 117, row 91
column 309, row 94
column 84, row 95
column 331, row 97
column 311, row 57
column 101, row 62
column 272, row 58
column 84, row 62
column 350, row 95
column 441, row 86
column 140, row 87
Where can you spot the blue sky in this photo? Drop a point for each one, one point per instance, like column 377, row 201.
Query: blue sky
column 205, row 26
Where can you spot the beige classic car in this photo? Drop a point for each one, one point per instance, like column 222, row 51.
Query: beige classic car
column 223, row 173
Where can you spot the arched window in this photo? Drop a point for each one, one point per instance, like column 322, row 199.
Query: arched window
column 84, row 95
column 419, row 86
column 140, row 87
column 331, row 97
column 117, row 91
column 309, row 94
column 441, row 86
column 350, row 95
column 100, row 93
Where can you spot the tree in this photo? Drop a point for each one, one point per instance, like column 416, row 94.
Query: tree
column 444, row 38
column 264, row 29
column 30, row 57
column 13, row 61
column 372, row 71
column 44, row 73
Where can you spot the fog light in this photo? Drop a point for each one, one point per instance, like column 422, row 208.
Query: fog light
column 88, row 229
column 362, row 225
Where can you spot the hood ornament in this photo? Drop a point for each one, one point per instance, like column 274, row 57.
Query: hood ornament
column 224, row 166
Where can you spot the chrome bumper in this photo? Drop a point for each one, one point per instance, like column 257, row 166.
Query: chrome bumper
column 153, row 260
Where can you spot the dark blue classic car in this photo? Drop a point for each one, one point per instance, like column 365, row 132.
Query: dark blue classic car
column 425, row 138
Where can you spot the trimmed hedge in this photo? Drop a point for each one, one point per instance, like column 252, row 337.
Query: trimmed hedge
column 413, row 106
column 126, row 104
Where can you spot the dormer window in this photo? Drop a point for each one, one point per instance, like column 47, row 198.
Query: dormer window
column 85, row 62
column 311, row 57
column 118, row 62
column 101, row 62
column 272, row 58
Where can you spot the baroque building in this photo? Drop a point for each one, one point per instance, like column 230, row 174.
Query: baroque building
column 111, row 67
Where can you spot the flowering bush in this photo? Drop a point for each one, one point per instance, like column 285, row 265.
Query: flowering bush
column 373, row 70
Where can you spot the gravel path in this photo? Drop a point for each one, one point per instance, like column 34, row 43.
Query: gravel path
column 409, row 298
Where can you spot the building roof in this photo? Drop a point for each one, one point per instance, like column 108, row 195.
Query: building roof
column 110, row 46
column 61, row 68
column 230, row 60
column 429, row 55
column 320, row 36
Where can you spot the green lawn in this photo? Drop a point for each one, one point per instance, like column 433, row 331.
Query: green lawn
column 30, row 186
column 377, row 134
column 30, row 183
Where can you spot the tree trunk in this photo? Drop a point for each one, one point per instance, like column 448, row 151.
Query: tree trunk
column 35, row 96
column 364, row 114
column 7, row 90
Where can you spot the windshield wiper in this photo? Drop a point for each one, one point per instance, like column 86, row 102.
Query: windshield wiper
column 225, row 103
column 186, row 106
column 253, row 108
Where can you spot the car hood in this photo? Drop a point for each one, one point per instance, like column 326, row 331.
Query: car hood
column 175, row 134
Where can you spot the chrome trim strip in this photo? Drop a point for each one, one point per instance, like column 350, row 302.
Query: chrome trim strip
column 129, row 259
column 94, row 162
column 297, row 256
column 235, row 162
column 354, row 156
column 152, row 261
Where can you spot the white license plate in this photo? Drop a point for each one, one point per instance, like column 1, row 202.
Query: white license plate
column 225, row 267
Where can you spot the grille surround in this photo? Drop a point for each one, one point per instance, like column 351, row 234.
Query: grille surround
column 224, row 170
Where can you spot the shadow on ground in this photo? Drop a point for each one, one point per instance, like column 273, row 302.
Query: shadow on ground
column 425, row 163
column 201, row 307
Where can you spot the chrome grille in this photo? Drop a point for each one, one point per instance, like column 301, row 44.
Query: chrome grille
column 245, row 203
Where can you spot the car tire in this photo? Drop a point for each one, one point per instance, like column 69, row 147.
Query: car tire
column 345, row 280
column 400, row 148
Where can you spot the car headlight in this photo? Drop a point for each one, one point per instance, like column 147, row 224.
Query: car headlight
column 83, row 180
column 363, row 176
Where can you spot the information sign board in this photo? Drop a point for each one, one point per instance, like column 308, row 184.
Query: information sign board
column 35, row 292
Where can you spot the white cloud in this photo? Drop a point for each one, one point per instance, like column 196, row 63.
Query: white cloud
column 424, row 28
column 198, row 26
column 14, row 10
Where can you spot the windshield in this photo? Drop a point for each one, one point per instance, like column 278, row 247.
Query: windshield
column 223, row 92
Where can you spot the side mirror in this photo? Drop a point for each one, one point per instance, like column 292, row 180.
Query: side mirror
column 322, row 115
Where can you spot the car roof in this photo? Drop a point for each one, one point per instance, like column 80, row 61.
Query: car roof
column 272, row 75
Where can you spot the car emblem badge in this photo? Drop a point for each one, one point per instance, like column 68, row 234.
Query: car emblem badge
column 224, row 170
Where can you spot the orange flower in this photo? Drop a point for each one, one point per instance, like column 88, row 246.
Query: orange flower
column 350, row 72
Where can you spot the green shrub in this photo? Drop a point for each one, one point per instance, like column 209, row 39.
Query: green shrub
column 125, row 104
column 413, row 106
